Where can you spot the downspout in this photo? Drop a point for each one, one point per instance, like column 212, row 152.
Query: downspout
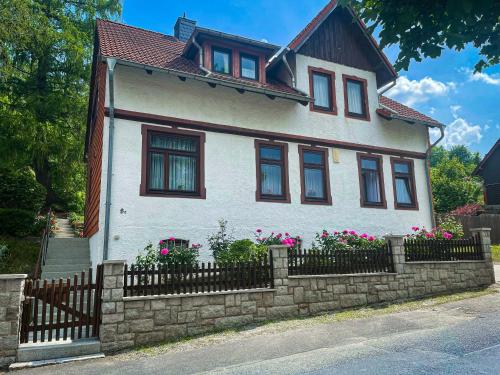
column 428, row 174
column 109, row 172
column 200, row 53
column 294, row 81
column 387, row 87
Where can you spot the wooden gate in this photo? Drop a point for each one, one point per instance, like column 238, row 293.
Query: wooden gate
column 58, row 310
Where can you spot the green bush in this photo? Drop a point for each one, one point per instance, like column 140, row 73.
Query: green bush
column 220, row 242
column 161, row 254
column 18, row 255
column 241, row 251
column 16, row 222
column 20, row 190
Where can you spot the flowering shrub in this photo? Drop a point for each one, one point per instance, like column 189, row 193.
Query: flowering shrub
column 220, row 242
column 275, row 239
column 242, row 251
column 471, row 209
column 167, row 252
column 448, row 229
column 346, row 240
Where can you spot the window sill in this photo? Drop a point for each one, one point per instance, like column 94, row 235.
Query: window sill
column 323, row 110
column 407, row 208
column 367, row 205
column 362, row 118
column 273, row 200
column 173, row 195
column 317, row 203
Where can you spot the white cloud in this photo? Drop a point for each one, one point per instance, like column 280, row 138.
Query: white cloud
column 454, row 110
column 413, row 91
column 459, row 132
column 493, row 79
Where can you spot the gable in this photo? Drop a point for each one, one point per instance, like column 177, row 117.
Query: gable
column 340, row 39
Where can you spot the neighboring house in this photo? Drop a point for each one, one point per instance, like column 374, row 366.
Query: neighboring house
column 489, row 170
column 205, row 125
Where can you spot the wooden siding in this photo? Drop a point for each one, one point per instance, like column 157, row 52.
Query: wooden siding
column 490, row 172
column 482, row 221
column 338, row 39
column 94, row 162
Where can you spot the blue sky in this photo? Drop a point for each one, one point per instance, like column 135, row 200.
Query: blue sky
column 443, row 88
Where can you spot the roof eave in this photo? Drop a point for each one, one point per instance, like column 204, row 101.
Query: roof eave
column 208, row 79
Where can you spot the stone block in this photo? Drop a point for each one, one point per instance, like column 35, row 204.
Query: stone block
column 285, row 300
column 175, row 331
column 282, row 311
column 186, row 316
column 248, row 308
column 298, row 294
column 149, row 337
column 142, row 325
column 123, row 328
column 131, row 314
column 109, row 282
column 312, row 296
column 213, row 311
column 162, row 318
column 339, row 289
column 348, row 300
column 268, row 299
column 216, row 300
column 388, row 295
column 158, row 304
column 233, row 310
column 233, row 321
column 112, row 318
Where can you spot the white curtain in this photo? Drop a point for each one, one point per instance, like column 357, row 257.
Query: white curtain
column 403, row 191
column 182, row 173
column 354, row 98
column 270, row 179
column 173, row 143
column 156, row 172
column 248, row 68
column 313, row 181
column 372, row 187
column 321, row 92
column 221, row 62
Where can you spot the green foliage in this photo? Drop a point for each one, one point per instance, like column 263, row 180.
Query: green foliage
column 346, row 240
column 76, row 221
column 453, row 186
column 220, row 242
column 242, row 251
column 425, row 28
column 45, row 62
column 16, row 222
column 162, row 254
column 18, row 255
column 462, row 153
column 19, row 189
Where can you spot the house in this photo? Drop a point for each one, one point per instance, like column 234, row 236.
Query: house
column 489, row 170
column 205, row 125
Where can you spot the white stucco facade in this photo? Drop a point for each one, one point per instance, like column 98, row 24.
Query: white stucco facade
column 230, row 167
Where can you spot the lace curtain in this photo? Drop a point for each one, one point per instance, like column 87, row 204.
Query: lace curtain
column 321, row 92
column 354, row 98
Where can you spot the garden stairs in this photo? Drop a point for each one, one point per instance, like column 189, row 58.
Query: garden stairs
column 66, row 254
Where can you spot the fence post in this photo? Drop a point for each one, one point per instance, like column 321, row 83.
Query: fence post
column 484, row 236
column 280, row 268
column 398, row 251
column 112, row 309
column 11, row 298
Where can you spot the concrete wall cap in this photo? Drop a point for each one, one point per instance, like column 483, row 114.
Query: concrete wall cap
column 480, row 229
column 13, row 276
column 114, row 262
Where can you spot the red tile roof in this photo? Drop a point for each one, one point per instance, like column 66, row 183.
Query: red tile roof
column 161, row 51
column 402, row 111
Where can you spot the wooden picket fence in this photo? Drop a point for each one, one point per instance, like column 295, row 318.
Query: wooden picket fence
column 324, row 262
column 443, row 250
column 183, row 278
column 62, row 309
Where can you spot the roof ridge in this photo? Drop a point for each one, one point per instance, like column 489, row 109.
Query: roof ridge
column 405, row 106
column 138, row 28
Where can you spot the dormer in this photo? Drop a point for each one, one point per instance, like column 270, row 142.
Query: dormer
column 229, row 56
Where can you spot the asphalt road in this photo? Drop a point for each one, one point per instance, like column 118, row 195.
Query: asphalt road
column 456, row 338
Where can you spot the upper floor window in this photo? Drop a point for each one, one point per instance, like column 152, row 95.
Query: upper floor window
column 221, row 60
column 403, row 180
column 249, row 67
column 172, row 163
column 371, row 181
column 322, row 89
column 272, row 171
column 355, row 97
column 314, row 176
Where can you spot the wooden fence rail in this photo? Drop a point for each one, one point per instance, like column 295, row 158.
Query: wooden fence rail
column 443, row 250
column 182, row 278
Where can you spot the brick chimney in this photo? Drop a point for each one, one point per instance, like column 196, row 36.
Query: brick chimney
column 184, row 28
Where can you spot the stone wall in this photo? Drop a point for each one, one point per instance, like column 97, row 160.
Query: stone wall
column 11, row 293
column 129, row 321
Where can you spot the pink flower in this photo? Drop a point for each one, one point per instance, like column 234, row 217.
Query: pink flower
column 289, row 242
column 345, row 231
column 324, row 235
column 298, row 237
column 279, row 235
column 336, row 232
column 415, row 229
column 171, row 239
column 430, row 235
column 352, row 232
column 287, row 234
column 371, row 238
column 259, row 230
column 364, row 235
column 161, row 242
column 447, row 235
column 164, row 251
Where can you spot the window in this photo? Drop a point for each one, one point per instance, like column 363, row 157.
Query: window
column 249, row 67
column 371, row 181
column 403, row 180
column 355, row 97
column 322, row 89
column 314, row 175
column 172, row 162
column 272, row 172
column 221, row 60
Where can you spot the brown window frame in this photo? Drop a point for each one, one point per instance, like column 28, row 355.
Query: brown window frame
column 411, row 177
column 229, row 52
column 364, row 92
column 332, row 110
column 285, row 197
column 256, row 59
column 379, row 159
column 200, row 193
column 327, row 200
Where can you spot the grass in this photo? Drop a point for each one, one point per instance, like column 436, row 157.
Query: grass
column 495, row 252
column 21, row 255
column 269, row 327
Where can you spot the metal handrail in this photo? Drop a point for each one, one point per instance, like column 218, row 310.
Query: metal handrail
column 42, row 254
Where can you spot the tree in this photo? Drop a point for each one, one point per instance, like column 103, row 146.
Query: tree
column 45, row 61
column 423, row 28
column 467, row 157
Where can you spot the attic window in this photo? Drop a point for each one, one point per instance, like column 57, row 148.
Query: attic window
column 249, row 67
column 322, row 89
column 221, row 60
column 356, row 97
